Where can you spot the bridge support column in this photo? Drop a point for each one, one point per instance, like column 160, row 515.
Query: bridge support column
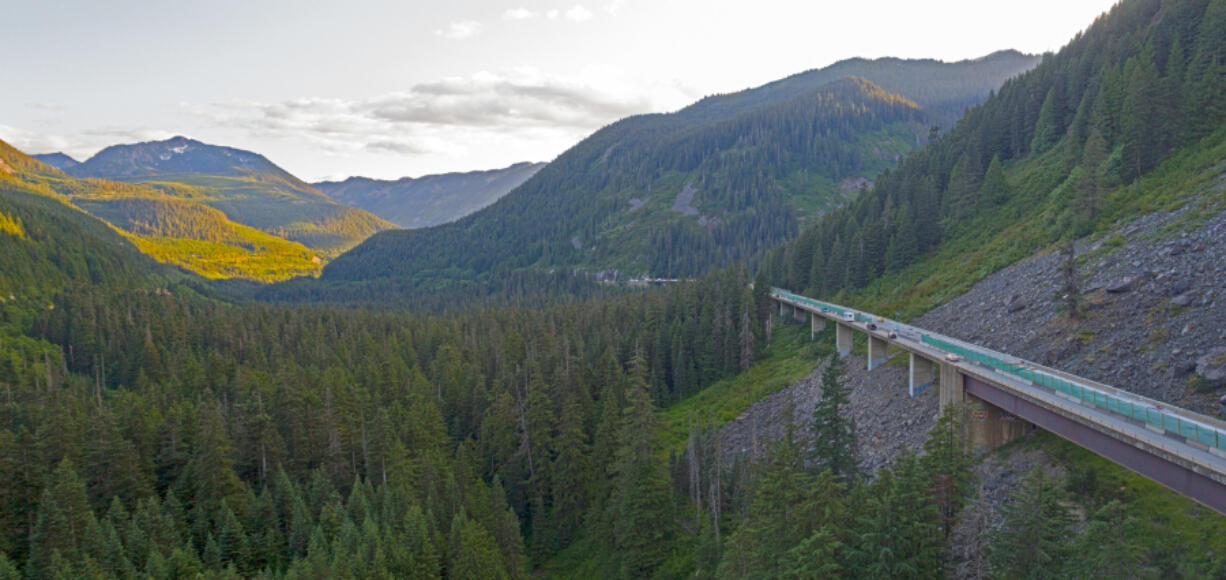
column 816, row 325
column 842, row 339
column 877, row 349
column 922, row 371
column 989, row 426
column 952, row 387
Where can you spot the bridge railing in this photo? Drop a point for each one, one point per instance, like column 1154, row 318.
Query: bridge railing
column 1147, row 411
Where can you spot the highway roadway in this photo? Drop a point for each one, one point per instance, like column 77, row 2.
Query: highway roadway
column 1176, row 447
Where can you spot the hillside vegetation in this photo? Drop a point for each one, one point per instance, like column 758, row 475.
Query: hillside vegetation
column 673, row 195
column 1060, row 152
column 179, row 231
column 248, row 188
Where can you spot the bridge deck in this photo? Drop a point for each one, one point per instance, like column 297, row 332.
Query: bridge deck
column 1183, row 450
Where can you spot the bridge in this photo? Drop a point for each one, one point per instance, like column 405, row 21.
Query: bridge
column 1008, row 397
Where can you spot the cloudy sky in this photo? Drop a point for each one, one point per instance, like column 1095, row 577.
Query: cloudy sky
column 392, row 88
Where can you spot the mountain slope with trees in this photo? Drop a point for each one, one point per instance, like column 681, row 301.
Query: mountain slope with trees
column 1128, row 117
column 179, row 231
column 248, row 188
column 676, row 194
column 429, row 200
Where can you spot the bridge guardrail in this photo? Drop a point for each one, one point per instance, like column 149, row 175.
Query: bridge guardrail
column 1139, row 408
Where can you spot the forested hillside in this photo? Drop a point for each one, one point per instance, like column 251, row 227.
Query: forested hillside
column 720, row 181
column 248, row 188
column 176, row 230
column 151, row 427
column 159, row 433
column 944, row 89
column 1059, row 152
column 429, row 200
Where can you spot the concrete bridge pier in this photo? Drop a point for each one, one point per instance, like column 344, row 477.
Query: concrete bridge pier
column 953, row 388
column 989, row 426
column 816, row 325
column 877, row 349
column 842, row 339
column 921, row 375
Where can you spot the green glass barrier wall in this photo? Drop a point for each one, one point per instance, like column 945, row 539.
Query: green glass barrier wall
column 1156, row 417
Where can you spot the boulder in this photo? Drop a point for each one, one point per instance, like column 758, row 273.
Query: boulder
column 1211, row 366
column 1183, row 300
column 1121, row 285
column 1178, row 287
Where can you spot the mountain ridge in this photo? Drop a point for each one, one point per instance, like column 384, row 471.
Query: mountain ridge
column 604, row 203
column 58, row 160
column 180, row 231
column 428, row 200
column 246, row 186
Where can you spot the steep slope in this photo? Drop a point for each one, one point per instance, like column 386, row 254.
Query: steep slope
column 944, row 89
column 1062, row 151
column 183, row 232
column 47, row 245
column 57, row 160
column 429, row 200
column 247, row 187
column 673, row 195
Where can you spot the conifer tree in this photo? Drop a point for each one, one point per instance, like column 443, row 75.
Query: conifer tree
column 948, row 465
column 1071, row 282
column 1107, row 548
column 896, row 534
column 793, row 525
column 638, row 508
column 572, row 472
column 65, row 528
column 834, row 436
column 473, row 553
column 995, row 189
column 1034, row 539
column 1047, row 128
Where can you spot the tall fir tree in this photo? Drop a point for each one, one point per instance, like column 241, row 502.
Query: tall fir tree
column 1034, row 539
column 638, row 508
column 834, row 435
column 948, row 465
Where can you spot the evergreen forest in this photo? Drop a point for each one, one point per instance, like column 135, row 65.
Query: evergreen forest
column 467, row 401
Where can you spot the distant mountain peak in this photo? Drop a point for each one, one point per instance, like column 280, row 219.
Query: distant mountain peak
column 58, row 160
column 178, row 154
column 428, row 200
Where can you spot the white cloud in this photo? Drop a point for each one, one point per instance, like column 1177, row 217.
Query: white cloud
column 451, row 115
column 460, row 30
column 47, row 106
column 79, row 147
column 111, row 134
column 578, row 13
column 33, row 142
column 518, row 14
column 614, row 7
column 553, row 14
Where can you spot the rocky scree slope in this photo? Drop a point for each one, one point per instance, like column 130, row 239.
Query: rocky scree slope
column 1154, row 324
